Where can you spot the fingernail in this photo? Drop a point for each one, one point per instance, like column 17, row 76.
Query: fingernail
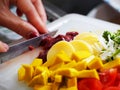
column 4, row 47
column 32, row 35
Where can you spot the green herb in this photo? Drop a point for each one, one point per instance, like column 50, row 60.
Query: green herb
column 106, row 34
column 116, row 52
column 115, row 37
column 112, row 57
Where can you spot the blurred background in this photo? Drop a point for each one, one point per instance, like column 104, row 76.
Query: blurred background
column 93, row 8
column 58, row 8
column 76, row 6
column 71, row 6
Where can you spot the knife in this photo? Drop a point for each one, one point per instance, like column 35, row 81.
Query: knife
column 19, row 48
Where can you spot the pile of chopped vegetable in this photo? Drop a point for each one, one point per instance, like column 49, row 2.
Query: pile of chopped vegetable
column 80, row 63
column 112, row 41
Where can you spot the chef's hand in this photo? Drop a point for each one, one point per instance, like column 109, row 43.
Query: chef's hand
column 35, row 14
column 34, row 11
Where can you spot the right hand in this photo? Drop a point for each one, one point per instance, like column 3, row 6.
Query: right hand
column 35, row 14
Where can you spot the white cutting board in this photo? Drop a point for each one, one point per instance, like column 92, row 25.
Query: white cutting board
column 71, row 22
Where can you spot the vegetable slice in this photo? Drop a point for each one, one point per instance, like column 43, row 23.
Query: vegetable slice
column 56, row 48
column 112, row 88
column 81, row 45
column 89, row 84
column 108, row 77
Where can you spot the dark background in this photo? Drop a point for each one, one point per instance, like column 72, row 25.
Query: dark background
column 76, row 6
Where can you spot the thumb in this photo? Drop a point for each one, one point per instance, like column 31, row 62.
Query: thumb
column 3, row 47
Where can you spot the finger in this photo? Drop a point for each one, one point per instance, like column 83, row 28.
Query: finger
column 3, row 47
column 27, row 7
column 40, row 9
column 18, row 25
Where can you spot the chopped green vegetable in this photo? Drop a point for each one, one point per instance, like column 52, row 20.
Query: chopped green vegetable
column 117, row 39
column 112, row 57
column 113, row 44
column 106, row 34
column 116, row 52
column 113, row 36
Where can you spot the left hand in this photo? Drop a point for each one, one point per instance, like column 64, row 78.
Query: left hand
column 3, row 47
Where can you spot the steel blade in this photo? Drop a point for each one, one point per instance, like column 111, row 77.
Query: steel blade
column 19, row 48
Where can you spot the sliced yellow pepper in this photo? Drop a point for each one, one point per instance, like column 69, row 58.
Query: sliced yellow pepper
column 80, row 55
column 88, row 74
column 37, row 62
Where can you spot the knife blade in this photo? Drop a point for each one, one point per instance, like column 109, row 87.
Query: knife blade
column 19, row 48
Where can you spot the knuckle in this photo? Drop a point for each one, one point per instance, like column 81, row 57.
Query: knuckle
column 34, row 1
column 20, row 28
